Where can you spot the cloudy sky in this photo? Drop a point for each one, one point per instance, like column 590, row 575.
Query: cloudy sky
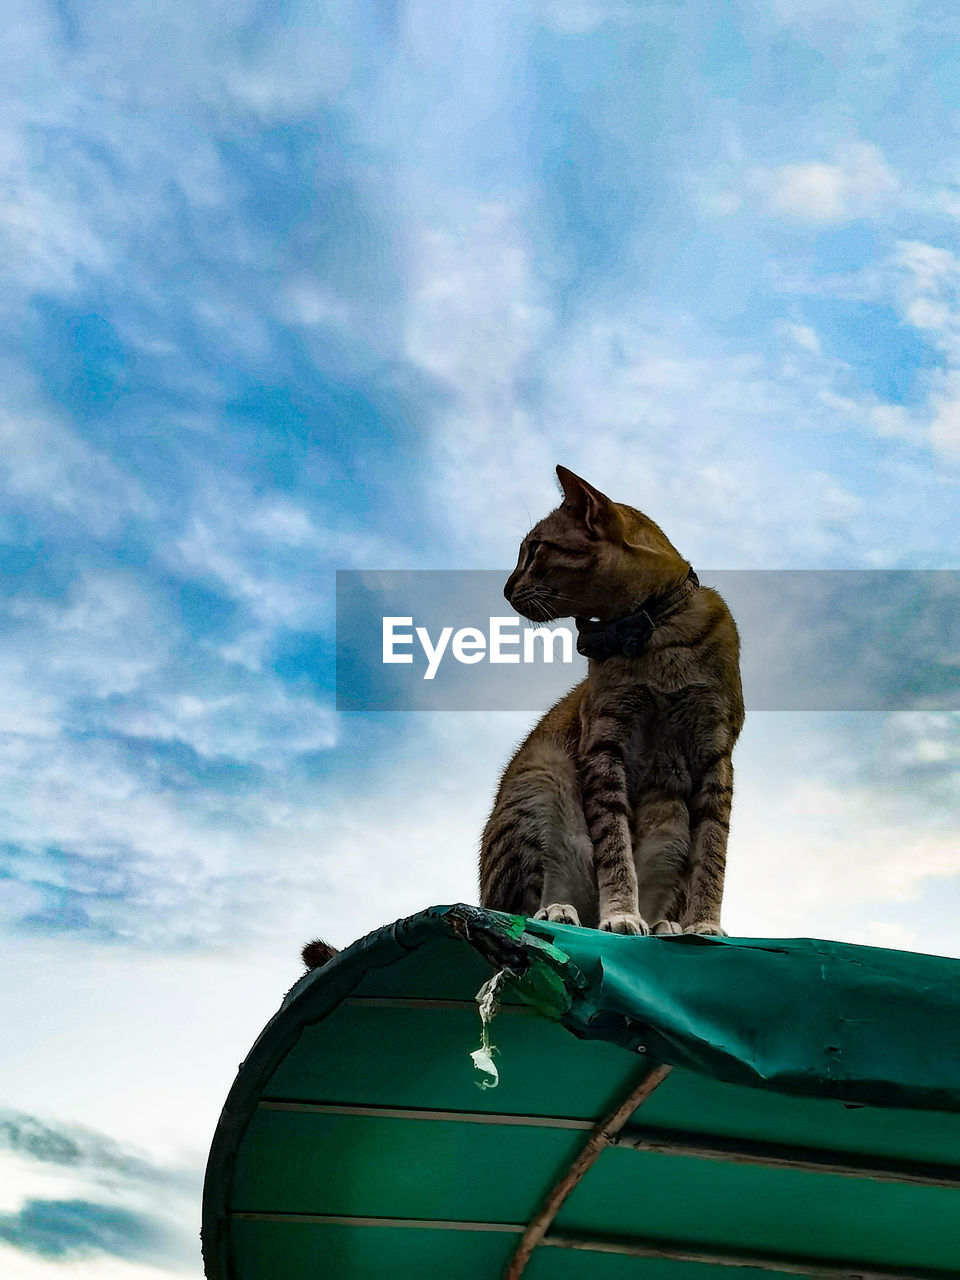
column 291, row 287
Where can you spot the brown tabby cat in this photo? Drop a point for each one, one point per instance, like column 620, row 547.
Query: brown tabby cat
column 615, row 810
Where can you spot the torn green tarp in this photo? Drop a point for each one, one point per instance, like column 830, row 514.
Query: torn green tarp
column 799, row 1015
column 355, row 1140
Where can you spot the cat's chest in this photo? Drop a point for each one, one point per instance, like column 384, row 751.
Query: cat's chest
column 657, row 721
column 658, row 750
column 662, row 737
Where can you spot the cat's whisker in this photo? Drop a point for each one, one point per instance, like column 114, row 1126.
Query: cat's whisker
column 540, row 604
column 578, row 606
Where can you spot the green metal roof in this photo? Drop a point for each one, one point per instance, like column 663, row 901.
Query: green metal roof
column 787, row 1106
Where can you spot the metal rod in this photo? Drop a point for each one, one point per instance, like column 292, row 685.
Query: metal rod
column 601, row 1136
column 348, row 1220
column 759, row 1262
column 772, row 1155
column 421, row 1113
column 810, row 1269
column 768, row 1155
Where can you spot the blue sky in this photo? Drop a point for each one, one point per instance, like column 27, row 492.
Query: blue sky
column 290, row 288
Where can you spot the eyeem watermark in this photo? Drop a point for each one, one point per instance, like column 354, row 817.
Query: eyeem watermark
column 502, row 642
column 829, row 640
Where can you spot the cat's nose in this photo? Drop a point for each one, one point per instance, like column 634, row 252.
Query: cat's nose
column 508, row 588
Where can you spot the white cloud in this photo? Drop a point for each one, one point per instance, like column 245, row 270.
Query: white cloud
column 45, row 243
column 270, row 554
column 16, row 1265
column 807, row 15
column 928, row 294
column 921, row 282
column 475, row 316
column 853, row 184
column 820, row 849
column 858, row 183
column 885, row 933
column 305, row 302
column 261, row 725
column 25, row 710
column 123, row 840
column 895, row 422
column 48, row 464
column 837, row 504
column 477, row 322
column 945, row 427
column 270, row 597
column 865, row 39
column 635, row 400
column 279, row 520
column 804, row 336
column 915, row 740
column 579, row 17
column 100, row 638
column 76, row 1198
column 932, row 268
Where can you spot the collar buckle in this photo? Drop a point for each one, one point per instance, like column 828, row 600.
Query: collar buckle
column 629, row 636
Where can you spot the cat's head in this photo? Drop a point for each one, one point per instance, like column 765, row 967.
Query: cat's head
column 591, row 558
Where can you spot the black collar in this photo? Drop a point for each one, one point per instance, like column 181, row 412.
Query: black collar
column 629, row 636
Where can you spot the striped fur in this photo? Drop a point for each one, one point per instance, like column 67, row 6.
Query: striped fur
column 615, row 810
column 317, row 953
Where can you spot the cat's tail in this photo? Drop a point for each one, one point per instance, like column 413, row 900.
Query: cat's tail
column 317, row 953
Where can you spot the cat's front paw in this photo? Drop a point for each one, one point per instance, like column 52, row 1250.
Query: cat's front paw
column 708, row 927
column 558, row 913
column 667, row 927
column 627, row 922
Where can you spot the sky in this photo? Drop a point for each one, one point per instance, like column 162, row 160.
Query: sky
column 290, row 288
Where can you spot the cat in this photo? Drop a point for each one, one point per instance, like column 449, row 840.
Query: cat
column 615, row 810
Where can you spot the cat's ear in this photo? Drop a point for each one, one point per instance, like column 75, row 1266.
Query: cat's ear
column 587, row 503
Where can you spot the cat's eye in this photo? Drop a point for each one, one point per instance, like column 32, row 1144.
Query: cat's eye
column 530, row 547
column 566, row 551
